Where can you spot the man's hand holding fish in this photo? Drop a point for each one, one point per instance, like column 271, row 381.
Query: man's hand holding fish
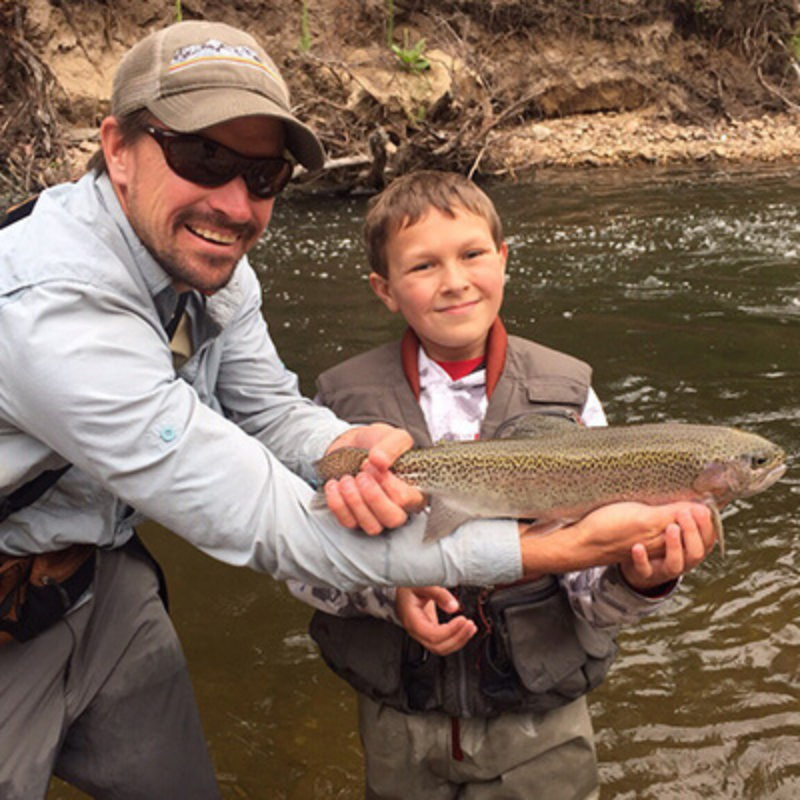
column 374, row 499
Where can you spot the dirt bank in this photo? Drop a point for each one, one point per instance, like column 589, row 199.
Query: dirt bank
column 496, row 87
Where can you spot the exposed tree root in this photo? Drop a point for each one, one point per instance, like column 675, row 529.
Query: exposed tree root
column 32, row 152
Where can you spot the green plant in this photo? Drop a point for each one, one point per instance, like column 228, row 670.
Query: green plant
column 178, row 11
column 413, row 58
column 794, row 46
column 706, row 7
column 305, row 35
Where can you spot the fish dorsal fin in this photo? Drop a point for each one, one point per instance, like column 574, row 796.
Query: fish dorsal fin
column 531, row 426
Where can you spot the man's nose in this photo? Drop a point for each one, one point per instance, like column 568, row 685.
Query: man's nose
column 233, row 200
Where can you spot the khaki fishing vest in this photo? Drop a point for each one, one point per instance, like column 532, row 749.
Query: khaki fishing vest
column 531, row 652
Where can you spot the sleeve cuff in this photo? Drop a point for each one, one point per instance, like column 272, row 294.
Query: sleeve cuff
column 488, row 550
column 655, row 595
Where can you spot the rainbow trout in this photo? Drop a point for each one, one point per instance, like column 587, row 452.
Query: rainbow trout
column 555, row 472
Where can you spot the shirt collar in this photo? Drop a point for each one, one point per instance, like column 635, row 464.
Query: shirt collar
column 496, row 351
column 153, row 275
column 431, row 373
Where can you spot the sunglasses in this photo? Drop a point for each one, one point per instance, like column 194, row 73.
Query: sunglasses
column 208, row 163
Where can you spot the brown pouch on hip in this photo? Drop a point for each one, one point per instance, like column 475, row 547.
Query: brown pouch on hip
column 37, row 590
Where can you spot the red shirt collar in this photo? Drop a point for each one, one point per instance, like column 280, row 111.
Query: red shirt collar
column 496, row 349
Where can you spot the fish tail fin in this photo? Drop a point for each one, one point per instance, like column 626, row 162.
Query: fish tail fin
column 341, row 462
column 318, row 500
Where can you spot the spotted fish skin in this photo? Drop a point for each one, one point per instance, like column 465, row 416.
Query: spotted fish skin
column 556, row 472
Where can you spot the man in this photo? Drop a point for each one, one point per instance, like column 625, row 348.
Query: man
column 213, row 440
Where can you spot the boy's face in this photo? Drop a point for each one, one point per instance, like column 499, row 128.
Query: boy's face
column 446, row 278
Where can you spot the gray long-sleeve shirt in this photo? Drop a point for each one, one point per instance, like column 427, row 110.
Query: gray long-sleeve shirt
column 220, row 453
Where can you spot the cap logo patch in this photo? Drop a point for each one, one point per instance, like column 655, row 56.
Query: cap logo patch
column 215, row 51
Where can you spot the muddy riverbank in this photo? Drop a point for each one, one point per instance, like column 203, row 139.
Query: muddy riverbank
column 503, row 88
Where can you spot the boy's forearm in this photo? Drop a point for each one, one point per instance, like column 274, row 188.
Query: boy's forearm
column 602, row 538
column 545, row 554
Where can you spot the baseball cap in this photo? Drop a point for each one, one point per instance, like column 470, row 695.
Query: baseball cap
column 195, row 74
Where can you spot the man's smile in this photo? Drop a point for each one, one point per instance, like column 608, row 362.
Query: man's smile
column 213, row 236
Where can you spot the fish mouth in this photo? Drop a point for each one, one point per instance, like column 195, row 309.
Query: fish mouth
column 772, row 475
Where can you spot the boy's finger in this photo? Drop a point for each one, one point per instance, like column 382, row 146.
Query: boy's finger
column 451, row 636
column 443, row 598
column 674, row 561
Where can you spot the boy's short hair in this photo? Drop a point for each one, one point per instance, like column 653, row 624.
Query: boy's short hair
column 408, row 198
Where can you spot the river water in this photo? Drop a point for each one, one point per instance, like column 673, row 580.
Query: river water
column 681, row 289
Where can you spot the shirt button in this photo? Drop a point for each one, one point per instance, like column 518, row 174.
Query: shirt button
column 168, row 434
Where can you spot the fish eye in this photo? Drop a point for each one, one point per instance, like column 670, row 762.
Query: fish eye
column 758, row 461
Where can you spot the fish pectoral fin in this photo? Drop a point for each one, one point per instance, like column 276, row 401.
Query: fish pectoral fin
column 443, row 519
column 716, row 519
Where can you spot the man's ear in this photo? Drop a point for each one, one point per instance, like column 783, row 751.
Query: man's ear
column 116, row 153
column 382, row 288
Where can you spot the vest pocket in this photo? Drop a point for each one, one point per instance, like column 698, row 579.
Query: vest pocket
column 378, row 659
column 544, row 648
column 541, row 640
column 364, row 651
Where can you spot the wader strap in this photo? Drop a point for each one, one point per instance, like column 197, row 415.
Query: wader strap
column 173, row 323
column 19, row 211
column 29, row 492
column 136, row 547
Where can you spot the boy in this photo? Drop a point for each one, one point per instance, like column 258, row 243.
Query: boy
column 493, row 698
